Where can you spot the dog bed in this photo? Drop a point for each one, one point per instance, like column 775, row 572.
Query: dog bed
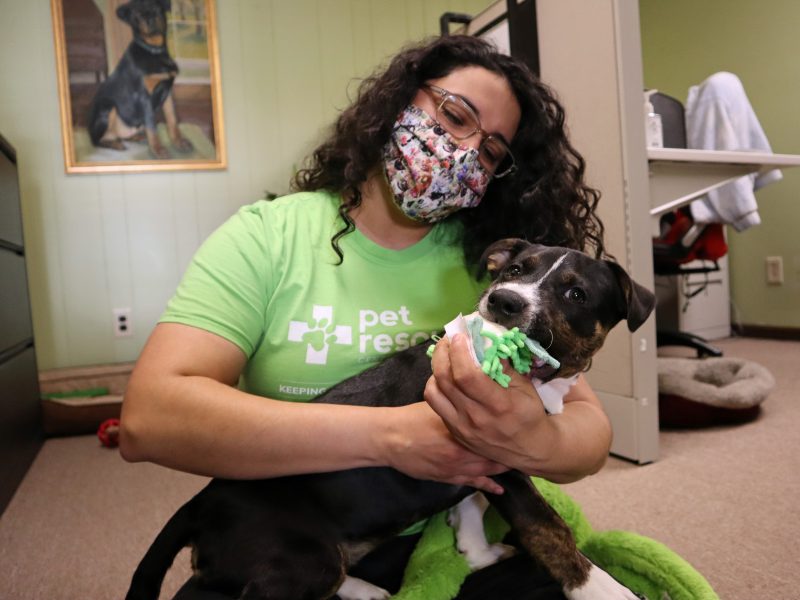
column 436, row 570
column 76, row 400
column 710, row 391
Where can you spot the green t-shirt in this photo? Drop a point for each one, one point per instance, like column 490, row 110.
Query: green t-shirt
column 267, row 280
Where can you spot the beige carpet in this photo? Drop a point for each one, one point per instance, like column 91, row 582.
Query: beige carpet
column 724, row 498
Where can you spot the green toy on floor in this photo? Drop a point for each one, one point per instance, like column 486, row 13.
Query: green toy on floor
column 436, row 570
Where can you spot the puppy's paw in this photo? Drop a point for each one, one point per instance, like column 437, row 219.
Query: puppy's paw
column 113, row 143
column 159, row 152
column 479, row 558
column 354, row 588
column 183, row 144
column 601, row 586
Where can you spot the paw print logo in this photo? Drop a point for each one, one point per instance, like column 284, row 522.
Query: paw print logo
column 319, row 334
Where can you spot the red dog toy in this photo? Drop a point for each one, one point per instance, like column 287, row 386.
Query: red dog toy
column 109, row 433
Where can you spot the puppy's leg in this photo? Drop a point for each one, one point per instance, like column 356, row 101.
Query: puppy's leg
column 111, row 137
column 547, row 538
column 151, row 82
column 155, row 145
column 467, row 520
column 245, row 543
column 600, row 586
column 353, row 588
column 171, row 117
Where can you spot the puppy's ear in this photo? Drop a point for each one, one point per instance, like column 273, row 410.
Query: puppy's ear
column 124, row 12
column 639, row 301
column 498, row 255
column 166, row 5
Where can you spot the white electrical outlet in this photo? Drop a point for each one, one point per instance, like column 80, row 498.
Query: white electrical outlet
column 123, row 322
column 774, row 269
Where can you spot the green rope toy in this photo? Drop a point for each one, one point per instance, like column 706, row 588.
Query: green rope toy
column 511, row 344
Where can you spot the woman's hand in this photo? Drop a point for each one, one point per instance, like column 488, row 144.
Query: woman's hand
column 420, row 445
column 490, row 420
column 510, row 426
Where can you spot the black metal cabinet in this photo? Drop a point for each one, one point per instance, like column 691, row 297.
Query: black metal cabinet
column 20, row 412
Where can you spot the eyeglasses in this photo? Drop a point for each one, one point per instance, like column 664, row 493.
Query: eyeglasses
column 459, row 119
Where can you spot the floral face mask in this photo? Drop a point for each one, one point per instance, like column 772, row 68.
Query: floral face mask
column 431, row 176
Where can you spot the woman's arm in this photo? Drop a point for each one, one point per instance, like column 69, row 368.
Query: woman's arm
column 182, row 410
column 510, row 425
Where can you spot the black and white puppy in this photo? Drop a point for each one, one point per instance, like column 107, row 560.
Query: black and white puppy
column 295, row 537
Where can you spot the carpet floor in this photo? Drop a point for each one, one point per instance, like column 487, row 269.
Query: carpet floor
column 724, row 498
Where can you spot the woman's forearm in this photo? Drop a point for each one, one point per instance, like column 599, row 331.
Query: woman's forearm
column 199, row 425
column 564, row 447
column 181, row 410
column 215, row 430
column 576, row 444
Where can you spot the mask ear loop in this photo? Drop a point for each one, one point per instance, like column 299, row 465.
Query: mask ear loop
column 552, row 339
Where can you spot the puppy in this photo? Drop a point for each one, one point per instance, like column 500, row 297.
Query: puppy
column 295, row 537
column 127, row 103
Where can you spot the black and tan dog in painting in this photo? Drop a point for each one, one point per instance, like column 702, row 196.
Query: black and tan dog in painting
column 296, row 537
column 127, row 104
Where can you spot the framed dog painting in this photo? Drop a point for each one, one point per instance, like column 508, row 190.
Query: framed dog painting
column 139, row 85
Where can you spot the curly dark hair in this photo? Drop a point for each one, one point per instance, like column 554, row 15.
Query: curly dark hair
column 544, row 201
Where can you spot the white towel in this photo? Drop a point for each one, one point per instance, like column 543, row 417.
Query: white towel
column 719, row 117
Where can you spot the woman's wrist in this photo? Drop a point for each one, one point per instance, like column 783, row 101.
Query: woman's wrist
column 386, row 437
column 539, row 446
column 567, row 447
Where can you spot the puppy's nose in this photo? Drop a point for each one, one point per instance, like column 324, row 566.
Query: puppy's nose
column 505, row 303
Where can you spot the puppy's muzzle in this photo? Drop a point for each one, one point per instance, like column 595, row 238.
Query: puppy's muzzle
column 504, row 305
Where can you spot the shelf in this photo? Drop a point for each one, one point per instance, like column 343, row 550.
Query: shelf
column 678, row 176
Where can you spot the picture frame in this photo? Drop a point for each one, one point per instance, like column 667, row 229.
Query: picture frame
column 139, row 85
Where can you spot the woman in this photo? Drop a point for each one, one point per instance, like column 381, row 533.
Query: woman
column 377, row 250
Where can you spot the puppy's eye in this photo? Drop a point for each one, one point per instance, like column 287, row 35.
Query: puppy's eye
column 514, row 271
column 576, row 294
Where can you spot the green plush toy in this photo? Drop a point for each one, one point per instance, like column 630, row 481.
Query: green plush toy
column 436, row 570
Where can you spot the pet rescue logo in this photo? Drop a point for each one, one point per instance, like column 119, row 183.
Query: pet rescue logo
column 322, row 334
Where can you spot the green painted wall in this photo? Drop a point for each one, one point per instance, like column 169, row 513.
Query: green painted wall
column 685, row 41
column 96, row 242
